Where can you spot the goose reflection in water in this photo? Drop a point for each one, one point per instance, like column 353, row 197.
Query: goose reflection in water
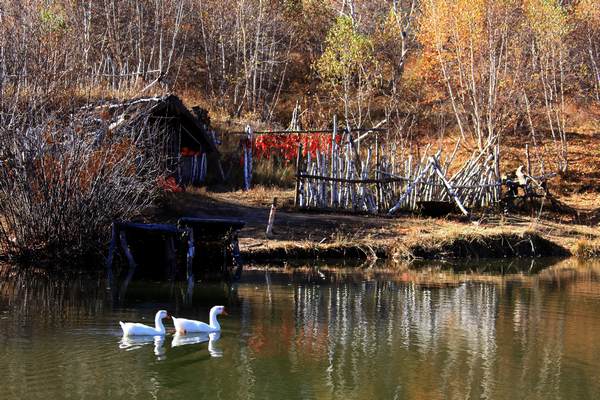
column 128, row 343
column 211, row 338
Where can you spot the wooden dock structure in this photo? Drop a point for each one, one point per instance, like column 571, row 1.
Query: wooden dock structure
column 185, row 239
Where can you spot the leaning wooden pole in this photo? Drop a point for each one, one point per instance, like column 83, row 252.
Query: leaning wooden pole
column 409, row 189
column 190, row 255
column 448, row 186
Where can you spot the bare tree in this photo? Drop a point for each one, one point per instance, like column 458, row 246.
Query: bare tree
column 63, row 182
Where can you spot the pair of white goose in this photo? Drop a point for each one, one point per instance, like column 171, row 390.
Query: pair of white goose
column 182, row 325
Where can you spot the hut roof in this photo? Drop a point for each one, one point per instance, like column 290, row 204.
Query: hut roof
column 121, row 114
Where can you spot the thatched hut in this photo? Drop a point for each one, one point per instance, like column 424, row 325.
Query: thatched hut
column 186, row 138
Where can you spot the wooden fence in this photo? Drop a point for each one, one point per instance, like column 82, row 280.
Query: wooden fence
column 362, row 172
column 374, row 180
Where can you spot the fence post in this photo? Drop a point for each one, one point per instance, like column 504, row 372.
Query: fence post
column 333, row 174
column 298, row 162
column 248, row 158
column 378, row 193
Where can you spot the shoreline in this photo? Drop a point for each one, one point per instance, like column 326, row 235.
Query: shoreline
column 490, row 247
column 312, row 235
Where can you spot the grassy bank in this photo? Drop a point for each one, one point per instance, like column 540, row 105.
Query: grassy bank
column 587, row 248
column 312, row 236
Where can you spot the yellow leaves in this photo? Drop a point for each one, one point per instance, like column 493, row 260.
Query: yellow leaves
column 346, row 53
column 391, row 29
column 588, row 11
column 452, row 22
column 53, row 18
column 434, row 24
column 547, row 19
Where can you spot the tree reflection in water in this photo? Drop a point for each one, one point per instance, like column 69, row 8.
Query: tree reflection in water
column 430, row 332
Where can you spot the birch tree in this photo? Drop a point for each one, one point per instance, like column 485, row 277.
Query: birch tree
column 472, row 45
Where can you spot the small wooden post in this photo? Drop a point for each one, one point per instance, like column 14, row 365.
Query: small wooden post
column 271, row 218
column 237, row 257
column 298, row 171
column 248, row 158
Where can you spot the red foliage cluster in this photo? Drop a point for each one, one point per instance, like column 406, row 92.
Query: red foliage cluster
column 187, row 152
column 169, row 185
column 286, row 146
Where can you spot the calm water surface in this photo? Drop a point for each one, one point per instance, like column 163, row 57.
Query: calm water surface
column 428, row 334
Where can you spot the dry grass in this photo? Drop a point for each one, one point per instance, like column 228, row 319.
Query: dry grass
column 586, row 248
column 318, row 235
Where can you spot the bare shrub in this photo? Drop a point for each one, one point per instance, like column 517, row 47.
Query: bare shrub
column 62, row 182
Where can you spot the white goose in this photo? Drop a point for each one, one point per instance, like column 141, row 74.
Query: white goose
column 137, row 329
column 184, row 326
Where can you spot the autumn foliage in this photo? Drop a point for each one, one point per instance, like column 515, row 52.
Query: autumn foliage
column 285, row 147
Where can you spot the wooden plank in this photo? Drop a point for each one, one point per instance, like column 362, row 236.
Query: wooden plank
column 351, row 181
column 158, row 228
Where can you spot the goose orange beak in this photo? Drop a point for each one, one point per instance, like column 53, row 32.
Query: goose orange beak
column 224, row 312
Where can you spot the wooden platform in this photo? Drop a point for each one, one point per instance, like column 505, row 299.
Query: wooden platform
column 216, row 239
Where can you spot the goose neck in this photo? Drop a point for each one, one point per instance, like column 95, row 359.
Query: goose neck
column 158, row 324
column 214, row 324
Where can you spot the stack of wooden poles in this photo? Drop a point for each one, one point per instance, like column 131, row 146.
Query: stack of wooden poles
column 373, row 178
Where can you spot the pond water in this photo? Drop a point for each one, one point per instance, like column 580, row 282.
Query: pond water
column 431, row 333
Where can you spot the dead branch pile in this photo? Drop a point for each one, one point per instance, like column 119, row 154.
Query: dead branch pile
column 63, row 181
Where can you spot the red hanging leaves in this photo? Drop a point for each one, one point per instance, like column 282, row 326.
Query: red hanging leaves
column 286, row 146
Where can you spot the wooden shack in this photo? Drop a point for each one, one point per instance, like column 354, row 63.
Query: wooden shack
column 187, row 141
